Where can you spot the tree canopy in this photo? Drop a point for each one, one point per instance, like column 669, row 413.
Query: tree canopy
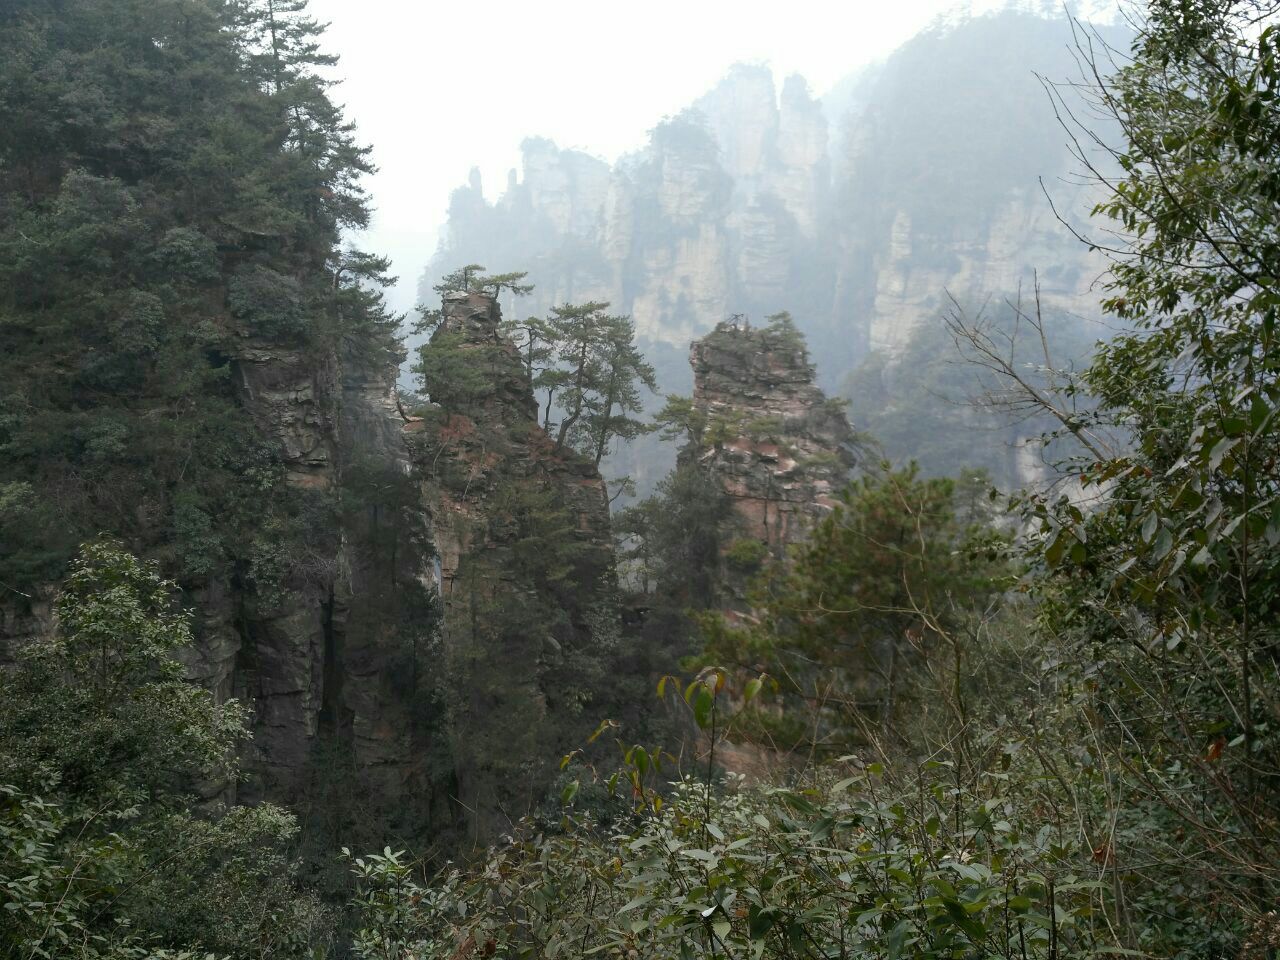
column 174, row 180
column 103, row 852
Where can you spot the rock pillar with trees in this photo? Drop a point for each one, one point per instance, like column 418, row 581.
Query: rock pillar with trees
column 762, row 431
column 526, row 574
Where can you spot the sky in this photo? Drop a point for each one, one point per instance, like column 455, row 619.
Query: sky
column 440, row 87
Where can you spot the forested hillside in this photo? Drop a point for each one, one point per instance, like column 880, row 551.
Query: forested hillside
column 934, row 736
column 295, row 663
column 191, row 364
column 199, row 427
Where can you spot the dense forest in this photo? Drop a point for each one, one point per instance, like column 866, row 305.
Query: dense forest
column 295, row 662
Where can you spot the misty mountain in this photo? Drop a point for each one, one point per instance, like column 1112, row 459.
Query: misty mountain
column 924, row 174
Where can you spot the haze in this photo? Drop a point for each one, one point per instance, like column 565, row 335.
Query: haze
column 439, row 88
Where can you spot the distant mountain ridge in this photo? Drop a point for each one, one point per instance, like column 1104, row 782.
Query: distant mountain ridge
column 857, row 213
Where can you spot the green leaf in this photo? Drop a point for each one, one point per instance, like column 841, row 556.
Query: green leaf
column 703, row 705
column 1234, row 426
column 1220, row 451
column 760, row 921
column 1149, row 526
column 569, row 792
column 897, row 939
column 637, row 902
column 1163, row 544
column 1057, row 548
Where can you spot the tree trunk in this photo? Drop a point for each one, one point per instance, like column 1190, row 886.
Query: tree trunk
column 578, row 375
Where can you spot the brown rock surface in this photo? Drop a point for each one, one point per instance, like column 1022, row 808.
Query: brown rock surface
column 774, row 442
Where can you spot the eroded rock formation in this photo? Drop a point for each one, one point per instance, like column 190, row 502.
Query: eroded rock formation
column 524, row 565
column 418, row 638
column 858, row 212
column 314, row 626
column 476, row 441
column 772, row 441
column 319, row 659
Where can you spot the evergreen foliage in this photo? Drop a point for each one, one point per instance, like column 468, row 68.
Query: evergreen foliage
column 888, row 586
column 458, row 373
column 670, row 543
column 102, row 851
column 597, row 380
column 173, row 178
column 582, row 360
column 1042, row 738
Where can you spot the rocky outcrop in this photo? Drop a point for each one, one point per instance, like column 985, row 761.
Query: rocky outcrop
column 1020, row 245
column 524, row 565
column 915, row 180
column 428, row 609
column 316, row 658
column 380, row 610
column 269, row 650
column 472, row 443
column 705, row 219
column 772, row 440
column 312, row 626
column 858, row 213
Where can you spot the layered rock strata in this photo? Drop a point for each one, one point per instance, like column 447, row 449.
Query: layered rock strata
column 772, row 441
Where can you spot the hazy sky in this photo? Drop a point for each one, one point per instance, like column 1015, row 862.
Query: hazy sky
column 439, row 87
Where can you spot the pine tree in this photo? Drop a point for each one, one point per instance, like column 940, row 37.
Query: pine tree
column 600, row 373
column 192, row 199
column 623, row 371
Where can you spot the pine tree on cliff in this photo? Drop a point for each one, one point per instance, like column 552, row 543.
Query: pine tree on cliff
column 602, row 371
column 511, row 282
column 463, row 280
column 533, row 338
column 174, row 180
column 624, row 371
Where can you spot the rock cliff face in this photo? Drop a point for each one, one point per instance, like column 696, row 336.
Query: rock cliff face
column 524, row 566
column 443, row 613
column 313, row 638
column 271, row 653
column 858, row 213
column 773, row 442
column 476, row 441
column 468, row 603
column 707, row 219
column 317, row 659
